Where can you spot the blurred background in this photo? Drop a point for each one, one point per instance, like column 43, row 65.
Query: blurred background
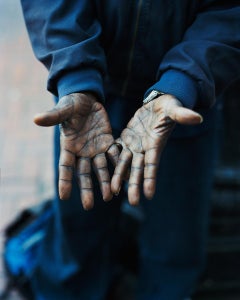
column 26, row 176
column 25, row 149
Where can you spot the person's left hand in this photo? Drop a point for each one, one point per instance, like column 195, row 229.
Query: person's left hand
column 143, row 141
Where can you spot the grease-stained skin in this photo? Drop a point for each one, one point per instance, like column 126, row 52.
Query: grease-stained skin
column 86, row 138
column 143, row 141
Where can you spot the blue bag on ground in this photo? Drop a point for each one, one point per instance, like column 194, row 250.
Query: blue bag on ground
column 21, row 247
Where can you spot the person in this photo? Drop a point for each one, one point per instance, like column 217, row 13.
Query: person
column 104, row 58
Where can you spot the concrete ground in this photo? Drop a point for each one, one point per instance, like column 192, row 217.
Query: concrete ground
column 25, row 149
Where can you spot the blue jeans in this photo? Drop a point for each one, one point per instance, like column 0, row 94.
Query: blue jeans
column 77, row 260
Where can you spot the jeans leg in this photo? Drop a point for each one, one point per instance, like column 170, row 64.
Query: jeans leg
column 173, row 235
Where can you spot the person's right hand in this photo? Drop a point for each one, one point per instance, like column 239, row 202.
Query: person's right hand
column 86, row 137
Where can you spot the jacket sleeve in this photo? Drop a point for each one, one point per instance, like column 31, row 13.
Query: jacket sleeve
column 65, row 38
column 207, row 59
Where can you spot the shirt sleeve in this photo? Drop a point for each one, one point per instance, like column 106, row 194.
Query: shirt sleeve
column 65, row 38
column 208, row 58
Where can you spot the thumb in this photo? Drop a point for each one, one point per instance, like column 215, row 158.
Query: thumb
column 55, row 116
column 184, row 116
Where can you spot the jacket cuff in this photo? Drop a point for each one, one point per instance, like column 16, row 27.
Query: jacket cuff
column 178, row 84
column 85, row 80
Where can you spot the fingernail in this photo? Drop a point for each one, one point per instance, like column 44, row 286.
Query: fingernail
column 117, row 193
column 108, row 198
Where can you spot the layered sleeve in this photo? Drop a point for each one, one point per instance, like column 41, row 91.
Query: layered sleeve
column 207, row 59
column 65, row 38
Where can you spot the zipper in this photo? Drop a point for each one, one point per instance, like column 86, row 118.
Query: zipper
column 130, row 61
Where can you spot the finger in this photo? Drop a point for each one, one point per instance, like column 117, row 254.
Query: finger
column 135, row 179
column 120, row 146
column 119, row 142
column 113, row 153
column 60, row 113
column 119, row 149
column 184, row 115
column 85, row 182
column 120, row 170
column 66, row 167
column 101, row 170
column 152, row 157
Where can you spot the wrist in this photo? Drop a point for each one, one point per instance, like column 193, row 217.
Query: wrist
column 152, row 95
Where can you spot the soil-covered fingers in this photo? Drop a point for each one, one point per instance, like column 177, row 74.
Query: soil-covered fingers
column 184, row 115
column 135, row 179
column 85, row 182
column 101, row 170
column 66, row 169
column 151, row 162
column 121, row 170
column 113, row 154
column 60, row 113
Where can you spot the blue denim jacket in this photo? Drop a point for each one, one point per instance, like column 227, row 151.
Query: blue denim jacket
column 187, row 48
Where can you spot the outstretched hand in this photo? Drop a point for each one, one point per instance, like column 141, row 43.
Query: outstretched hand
column 86, row 137
column 143, row 141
